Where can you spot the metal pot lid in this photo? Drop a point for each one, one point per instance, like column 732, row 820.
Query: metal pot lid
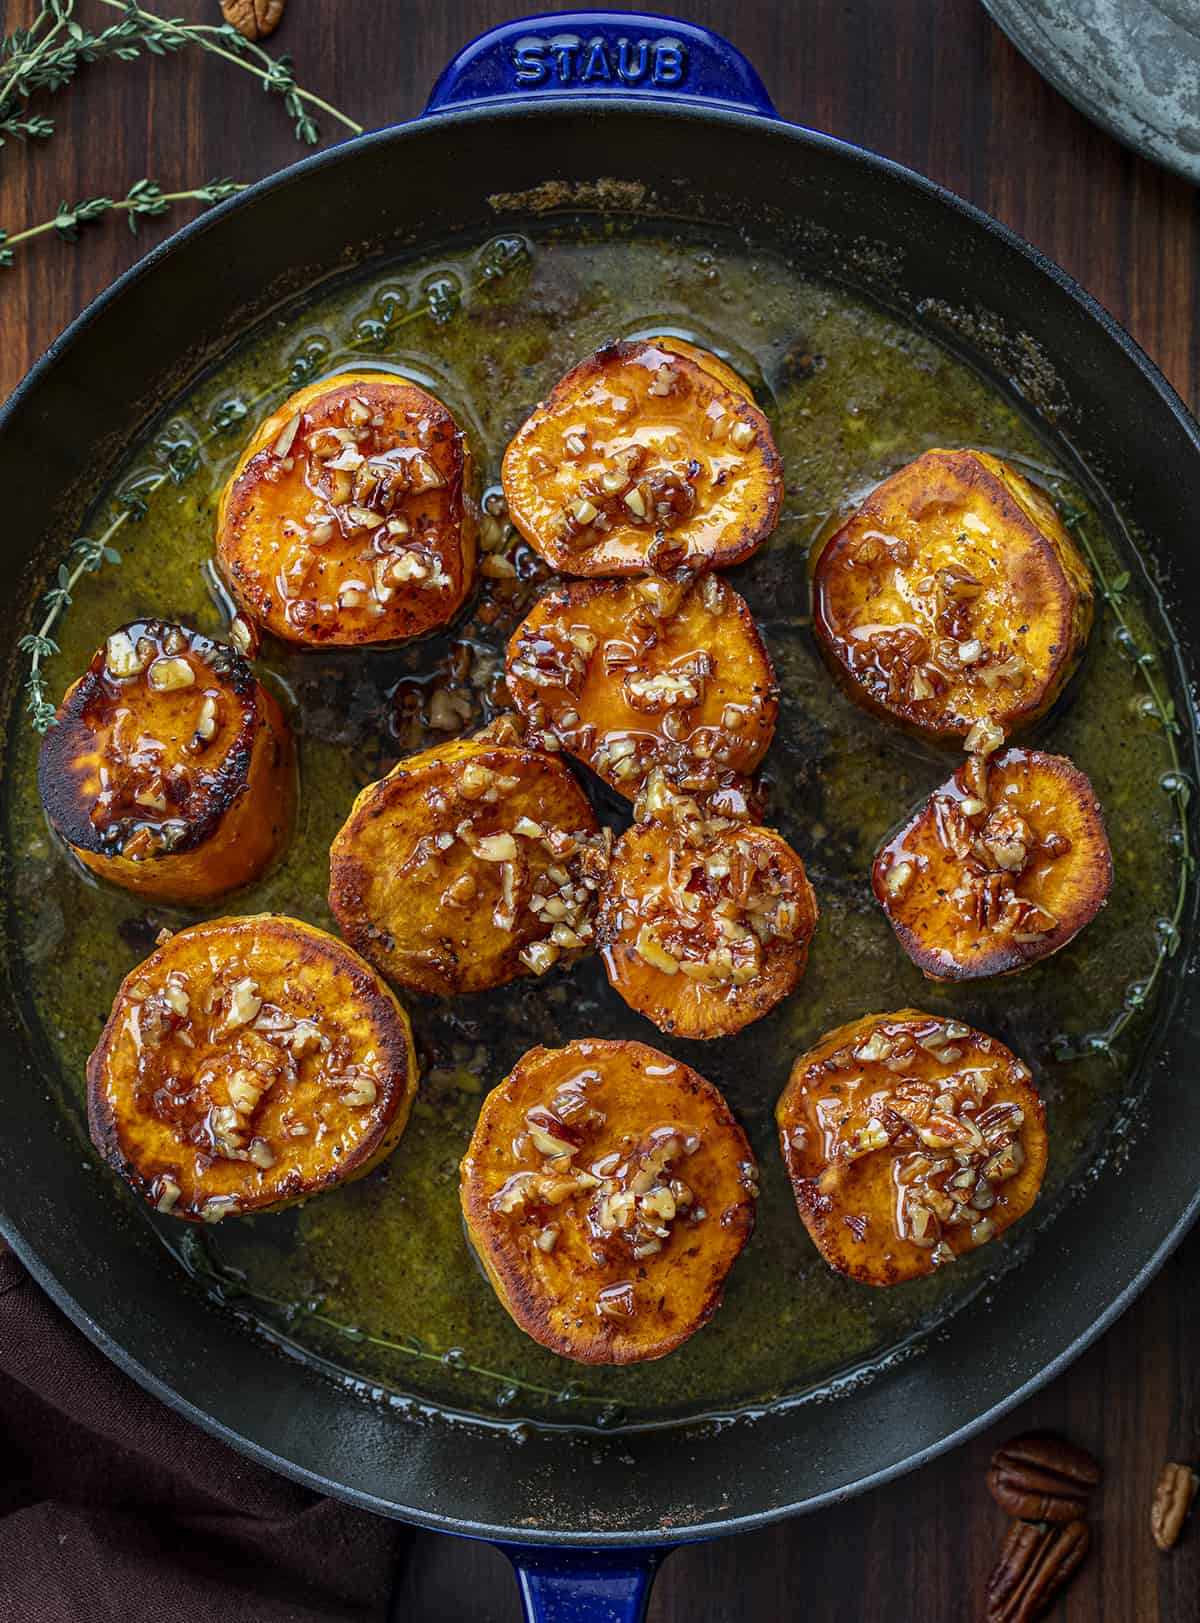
column 1132, row 66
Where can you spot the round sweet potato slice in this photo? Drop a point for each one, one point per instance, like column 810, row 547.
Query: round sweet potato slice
column 629, row 675
column 170, row 769
column 467, row 866
column 351, row 516
column 644, row 459
column 608, row 1191
column 953, row 594
column 1004, row 864
column 247, row 1064
column 909, row 1139
column 704, row 922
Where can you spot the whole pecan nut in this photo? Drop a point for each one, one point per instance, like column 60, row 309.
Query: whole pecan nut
column 1173, row 1496
column 1041, row 1478
column 254, row 18
column 1035, row 1562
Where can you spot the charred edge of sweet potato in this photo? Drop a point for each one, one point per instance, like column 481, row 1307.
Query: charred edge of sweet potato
column 610, row 1342
column 349, row 880
column 722, row 1012
column 71, row 734
column 607, row 1341
column 388, row 1021
column 707, row 361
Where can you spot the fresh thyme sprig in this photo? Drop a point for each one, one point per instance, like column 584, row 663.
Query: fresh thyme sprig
column 88, row 556
column 144, row 200
column 228, row 1287
column 48, row 55
column 26, row 129
column 275, row 73
column 50, row 52
column 1175, row 782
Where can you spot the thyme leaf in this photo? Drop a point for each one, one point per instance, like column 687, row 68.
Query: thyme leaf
column 144, row 200
column 46, row 56
column 275, row 73
column 1158, row 705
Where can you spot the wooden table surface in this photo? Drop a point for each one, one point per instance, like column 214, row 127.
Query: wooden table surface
column 934, row 84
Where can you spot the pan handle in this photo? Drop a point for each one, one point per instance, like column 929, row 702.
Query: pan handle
column 584, row 1586
column 601, row 53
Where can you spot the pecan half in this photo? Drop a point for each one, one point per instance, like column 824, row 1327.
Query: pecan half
column 1173, row 1496
column 1035, row 1562
column 254, row 18
column 1041, row 1478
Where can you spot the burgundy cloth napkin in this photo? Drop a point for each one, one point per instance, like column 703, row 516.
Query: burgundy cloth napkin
column 115, row 1510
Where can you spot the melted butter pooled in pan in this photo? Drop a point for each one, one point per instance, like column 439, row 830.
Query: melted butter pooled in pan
column 852, row 395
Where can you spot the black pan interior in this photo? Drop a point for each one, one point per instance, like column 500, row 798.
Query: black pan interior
column 857, row 219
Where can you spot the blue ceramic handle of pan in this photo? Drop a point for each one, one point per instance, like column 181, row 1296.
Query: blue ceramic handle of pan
column 601, row 53
column 584, row 1586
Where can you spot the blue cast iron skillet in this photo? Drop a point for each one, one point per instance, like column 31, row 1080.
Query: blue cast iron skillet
column 674, row 112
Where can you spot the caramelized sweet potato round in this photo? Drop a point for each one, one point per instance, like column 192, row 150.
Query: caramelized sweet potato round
column 247, row 1064
column 608, row 1191
column 909, row 1139
column 644, row 458
column 628, row 675
column 170, row 769
column 468, row 865
column 953, row 594
column 704, row 922
column 1004, row 864
column 351, row 516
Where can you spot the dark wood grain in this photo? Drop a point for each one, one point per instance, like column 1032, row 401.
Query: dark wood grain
column 934, row 84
